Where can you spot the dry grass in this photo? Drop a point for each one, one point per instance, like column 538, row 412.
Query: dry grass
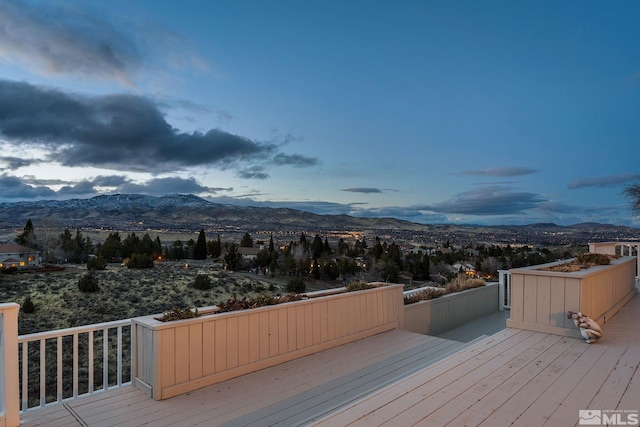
column 423, row 295
column 462, row 282
column 581, row 262
column 124, row 293
column 459, row 283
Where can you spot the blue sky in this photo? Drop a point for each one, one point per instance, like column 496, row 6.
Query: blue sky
column 496, row 112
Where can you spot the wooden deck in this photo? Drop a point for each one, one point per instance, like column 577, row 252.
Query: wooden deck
column 513, row 377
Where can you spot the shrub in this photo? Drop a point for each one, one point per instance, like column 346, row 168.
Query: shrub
column 96, row 263
column 140, row 261
column 27, row 306
column 296, row 285
column 591, row 258
column 359, row 286
column 202, row 281
column 178, row 314
column 235, row 304
column 88, row 283
column 423, row 295
column 461, row 283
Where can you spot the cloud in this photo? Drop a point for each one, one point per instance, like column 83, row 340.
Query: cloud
column 253, row 172
column 362, row 190
column 12, row 187
column 295, row 160
column 26, row 188
column 603, row 181
column 58, row 39
column 61, row 39
column 126, row 133
column 492, row 200
column 501, row 172
column 14, row 163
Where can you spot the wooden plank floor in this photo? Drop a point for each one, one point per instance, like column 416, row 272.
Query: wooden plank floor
column 289, row 394
column 515, row 377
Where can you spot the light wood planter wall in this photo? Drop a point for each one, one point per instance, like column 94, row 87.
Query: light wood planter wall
column 432, row 317
column 540, row 299
column 172, row 358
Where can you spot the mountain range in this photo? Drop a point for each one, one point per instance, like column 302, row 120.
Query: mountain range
column 191, row 213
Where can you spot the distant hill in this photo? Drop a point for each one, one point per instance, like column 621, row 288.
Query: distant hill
column 190, row 213
column 131, row 211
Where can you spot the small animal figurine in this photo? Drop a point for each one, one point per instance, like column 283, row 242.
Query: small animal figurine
column 589, row 329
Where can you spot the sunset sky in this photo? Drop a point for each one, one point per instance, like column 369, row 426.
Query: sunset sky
column 469, row 112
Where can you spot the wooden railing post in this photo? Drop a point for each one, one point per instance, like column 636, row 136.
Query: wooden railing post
column 9, row 385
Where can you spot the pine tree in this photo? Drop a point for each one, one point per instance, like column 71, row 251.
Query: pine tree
column 247, row 241
column 326, row 248
column 316, row 247
column 271, row 245
column 28, row 236
column 232, row 258
column 215, row 248
column 200, row 249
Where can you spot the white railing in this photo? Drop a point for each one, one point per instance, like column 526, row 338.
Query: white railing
column 505, row 289
column 67, row 357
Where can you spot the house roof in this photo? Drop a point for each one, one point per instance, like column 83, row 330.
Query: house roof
column 248, row 251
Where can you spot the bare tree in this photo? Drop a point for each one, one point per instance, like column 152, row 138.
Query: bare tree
column 632, row 193
column 47, row 236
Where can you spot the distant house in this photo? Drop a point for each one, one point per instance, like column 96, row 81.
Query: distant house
column 18, row 256
column 248, row 253
column 464, row 267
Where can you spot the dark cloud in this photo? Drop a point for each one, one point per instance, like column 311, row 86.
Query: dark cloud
column 170, row 185
column 14, row 163
column 493, row 200
column 603, row 181
column 13, row 188
column 362, row 190
column 295, row 160
column 32, row 180
column 55, row 38
column 253, row 172
column 501, row 172
column 124, row 132
column 25, row 188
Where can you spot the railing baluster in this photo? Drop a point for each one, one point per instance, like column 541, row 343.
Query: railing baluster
column 43, row 351
column 119, row 379
column 90, row 362
column 105, row 359
column 75, row 365
column 59, row 355
column 25, row 376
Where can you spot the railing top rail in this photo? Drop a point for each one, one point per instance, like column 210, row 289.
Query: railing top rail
column 75, row 330
column 8, row 306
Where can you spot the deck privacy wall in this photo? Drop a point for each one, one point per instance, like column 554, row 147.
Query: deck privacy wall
column 9, row 383
column 540, row 299
column 433, row 317
column 173, row 358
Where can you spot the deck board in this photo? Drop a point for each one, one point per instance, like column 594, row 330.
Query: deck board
column 306, row 405
column 513, row 377
column 562, row 375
